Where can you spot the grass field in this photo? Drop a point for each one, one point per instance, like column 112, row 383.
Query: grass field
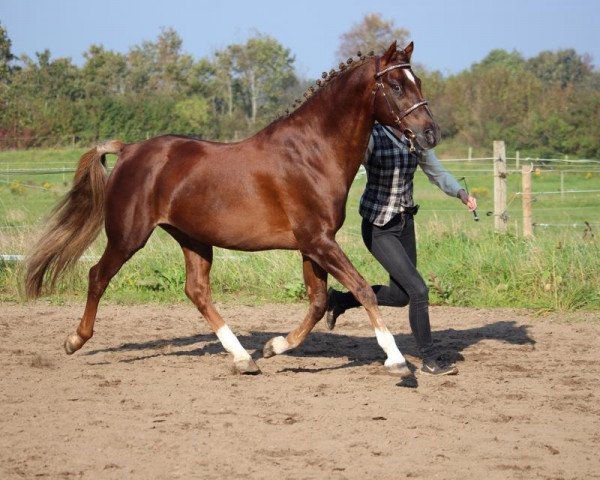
column 464, row 262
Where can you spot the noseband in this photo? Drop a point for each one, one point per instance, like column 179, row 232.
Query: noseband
column 402, row 114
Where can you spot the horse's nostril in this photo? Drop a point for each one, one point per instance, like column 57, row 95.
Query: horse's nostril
column 430, row 136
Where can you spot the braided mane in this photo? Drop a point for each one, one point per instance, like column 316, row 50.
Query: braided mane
column 326, row 79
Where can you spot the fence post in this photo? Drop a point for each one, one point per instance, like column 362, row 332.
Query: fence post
column 500, row 215
column 518, row 159
column 526, row 187
column 470, row 154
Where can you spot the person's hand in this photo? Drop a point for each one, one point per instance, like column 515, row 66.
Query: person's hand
column 468, row 200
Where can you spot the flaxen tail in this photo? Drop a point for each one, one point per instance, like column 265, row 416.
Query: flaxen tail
column 73, row 224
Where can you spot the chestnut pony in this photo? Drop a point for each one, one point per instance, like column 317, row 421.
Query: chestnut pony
column 284, row 188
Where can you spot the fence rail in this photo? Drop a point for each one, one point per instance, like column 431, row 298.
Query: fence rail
column 10, row 171
column 528, row 160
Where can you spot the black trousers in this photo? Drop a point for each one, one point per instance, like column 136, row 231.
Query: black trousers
column 394, row 247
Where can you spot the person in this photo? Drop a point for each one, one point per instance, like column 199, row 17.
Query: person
column 388, row 231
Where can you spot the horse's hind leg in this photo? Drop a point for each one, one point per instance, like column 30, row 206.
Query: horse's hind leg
column 123, row 241
column 315, row 279
column 198, row 261
column 100, row 275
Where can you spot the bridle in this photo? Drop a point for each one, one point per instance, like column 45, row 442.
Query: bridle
column 401, row 114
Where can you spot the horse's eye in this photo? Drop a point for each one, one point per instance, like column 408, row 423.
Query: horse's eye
column 396, row 87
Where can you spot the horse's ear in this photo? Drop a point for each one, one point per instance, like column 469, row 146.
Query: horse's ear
column 390, row 52
column 408, row 50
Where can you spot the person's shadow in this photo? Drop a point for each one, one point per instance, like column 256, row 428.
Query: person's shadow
column 360, row 350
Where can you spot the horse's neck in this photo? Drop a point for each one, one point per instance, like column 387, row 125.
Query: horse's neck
column 342, row 117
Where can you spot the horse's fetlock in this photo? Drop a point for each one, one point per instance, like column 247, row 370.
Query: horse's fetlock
column 85, row 336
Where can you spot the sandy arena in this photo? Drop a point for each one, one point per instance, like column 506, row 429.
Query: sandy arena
column 152, row 396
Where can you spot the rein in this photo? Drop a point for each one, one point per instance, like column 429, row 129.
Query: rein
column 401, row 114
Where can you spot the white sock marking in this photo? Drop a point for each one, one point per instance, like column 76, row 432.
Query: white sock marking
column 387, row 342
column 280, row 345
column 232, row 344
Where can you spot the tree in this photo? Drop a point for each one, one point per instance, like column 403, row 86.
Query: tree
column 103, row 72
column 193, row 114
column 372, row 33
column 223, row 68
column 264, row 69
column 6, row 56
column 43, row 100
column 103, row 76
column 563, row 67
column 491, row 102
column 513, row 61
column 159, row 67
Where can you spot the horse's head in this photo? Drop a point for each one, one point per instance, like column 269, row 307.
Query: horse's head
column 398, row 99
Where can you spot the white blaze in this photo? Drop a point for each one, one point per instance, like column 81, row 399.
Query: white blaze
column 410, row 76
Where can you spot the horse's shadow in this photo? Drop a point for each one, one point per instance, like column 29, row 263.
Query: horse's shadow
column 359, row 350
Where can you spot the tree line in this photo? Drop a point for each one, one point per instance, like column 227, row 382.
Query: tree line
column 546, row 105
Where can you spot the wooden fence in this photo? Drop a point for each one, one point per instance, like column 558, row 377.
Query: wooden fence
column 527, row 194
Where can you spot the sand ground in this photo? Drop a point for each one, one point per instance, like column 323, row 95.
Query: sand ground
column 152, row 396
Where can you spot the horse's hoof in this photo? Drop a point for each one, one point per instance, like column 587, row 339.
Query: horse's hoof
column 275, row 346
column 73, row 343
column 399, row 370
column 246, row 367
column 268, row 350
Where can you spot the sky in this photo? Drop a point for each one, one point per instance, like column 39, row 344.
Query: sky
column 449, row 35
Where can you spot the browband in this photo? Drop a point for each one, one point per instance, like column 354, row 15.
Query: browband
column 385, row 70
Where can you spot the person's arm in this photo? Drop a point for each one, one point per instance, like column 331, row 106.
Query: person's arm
column 444, row 180
column 369, row 150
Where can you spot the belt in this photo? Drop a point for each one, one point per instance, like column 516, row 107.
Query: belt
column 410, row 210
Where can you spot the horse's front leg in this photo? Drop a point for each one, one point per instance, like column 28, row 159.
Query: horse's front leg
column 315, row 279
column 331, row 257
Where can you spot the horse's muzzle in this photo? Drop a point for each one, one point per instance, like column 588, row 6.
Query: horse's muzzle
column 429, row 138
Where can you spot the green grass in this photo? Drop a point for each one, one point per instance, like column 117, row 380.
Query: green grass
column 464, row 262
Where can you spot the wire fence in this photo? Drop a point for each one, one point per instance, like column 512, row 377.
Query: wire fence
column 8, row 168
column 527, row 160
column 20, row 174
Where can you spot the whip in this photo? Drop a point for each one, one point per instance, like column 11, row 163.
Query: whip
column 464, row 180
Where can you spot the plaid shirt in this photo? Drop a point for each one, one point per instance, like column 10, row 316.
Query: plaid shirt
column 391, row 167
